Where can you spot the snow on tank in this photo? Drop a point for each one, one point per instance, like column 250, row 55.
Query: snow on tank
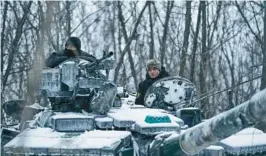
column 247, row 141
column 134, row 118
column 170, row 93
column 45, row 141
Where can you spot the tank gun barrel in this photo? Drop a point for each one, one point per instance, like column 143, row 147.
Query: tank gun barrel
column 225, row 124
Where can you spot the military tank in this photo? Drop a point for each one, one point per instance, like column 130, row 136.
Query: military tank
column 80, row 114
column 78, row 84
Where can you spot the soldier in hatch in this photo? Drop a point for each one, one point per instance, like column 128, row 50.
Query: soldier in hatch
column 72, row 49
column 154, row 72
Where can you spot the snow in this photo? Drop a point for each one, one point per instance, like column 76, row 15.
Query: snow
column 41, row 132
column 37, row 140
column 189, row 108
column 95, row 143
column 175, row 92
column 126, row 114
column 106, row 134
column 120, row 90
column 103, row 119
column 69, row 115
column 50, row 79
column 249, row 140
column 130, row 100
column 173, row 89
column 249, row 137
column 250, row 130
column 150, row 99
column 217, row 148
column 134, row 118
column 245, row 141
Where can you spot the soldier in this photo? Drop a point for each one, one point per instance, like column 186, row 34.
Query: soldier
column 72, row 49
column 154, row 72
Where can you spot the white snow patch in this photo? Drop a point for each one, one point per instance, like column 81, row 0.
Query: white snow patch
column 139, row 115
column 246, row 138
column 47, row 138
column 216, row 148
column 104, row 119
column 60, row 115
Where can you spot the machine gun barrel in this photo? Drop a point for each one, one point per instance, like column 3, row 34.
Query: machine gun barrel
column 106, row 56
column 97, row 62
column 225, row 124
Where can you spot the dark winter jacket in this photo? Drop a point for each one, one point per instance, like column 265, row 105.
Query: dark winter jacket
column 144, row 85
column 58, row 57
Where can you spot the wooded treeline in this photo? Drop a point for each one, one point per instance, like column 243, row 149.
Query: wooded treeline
column 215, row 44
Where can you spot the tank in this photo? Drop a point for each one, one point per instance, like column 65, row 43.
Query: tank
column 79, row 112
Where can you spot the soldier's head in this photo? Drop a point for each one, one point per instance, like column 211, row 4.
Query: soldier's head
column 153, row 67
column 73, row 44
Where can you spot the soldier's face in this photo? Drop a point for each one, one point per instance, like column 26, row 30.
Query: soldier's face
column 153, row 72
column 72, row 48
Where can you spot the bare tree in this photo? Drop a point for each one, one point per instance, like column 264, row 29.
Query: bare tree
column 263, row 78
column 39, row 57
column 195, row 45
column 128, row 42
column 151, row 55
column 204, row 56
column 4, row 17
column 68, row 18
column 186, row 38
column 170, row 5
column 15, row 42
column 259, row 40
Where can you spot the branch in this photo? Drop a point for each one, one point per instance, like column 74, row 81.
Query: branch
column 130, row 39
column 245, row 19
column 221, row 91
column 84, row 20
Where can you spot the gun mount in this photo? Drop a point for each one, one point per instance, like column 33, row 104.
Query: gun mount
column 78, row 84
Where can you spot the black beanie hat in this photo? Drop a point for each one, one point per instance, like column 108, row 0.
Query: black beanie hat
column 74, row 41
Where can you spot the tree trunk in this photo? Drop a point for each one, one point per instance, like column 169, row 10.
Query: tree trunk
column 3, row 34
column 113, row 25
column 263, row 78
column 131, row 61
column 186, row 39
column 38, row 61
column 68, row 18
column 204, row 57
column 195, row 45
column 165, row 30
column 151, row 54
